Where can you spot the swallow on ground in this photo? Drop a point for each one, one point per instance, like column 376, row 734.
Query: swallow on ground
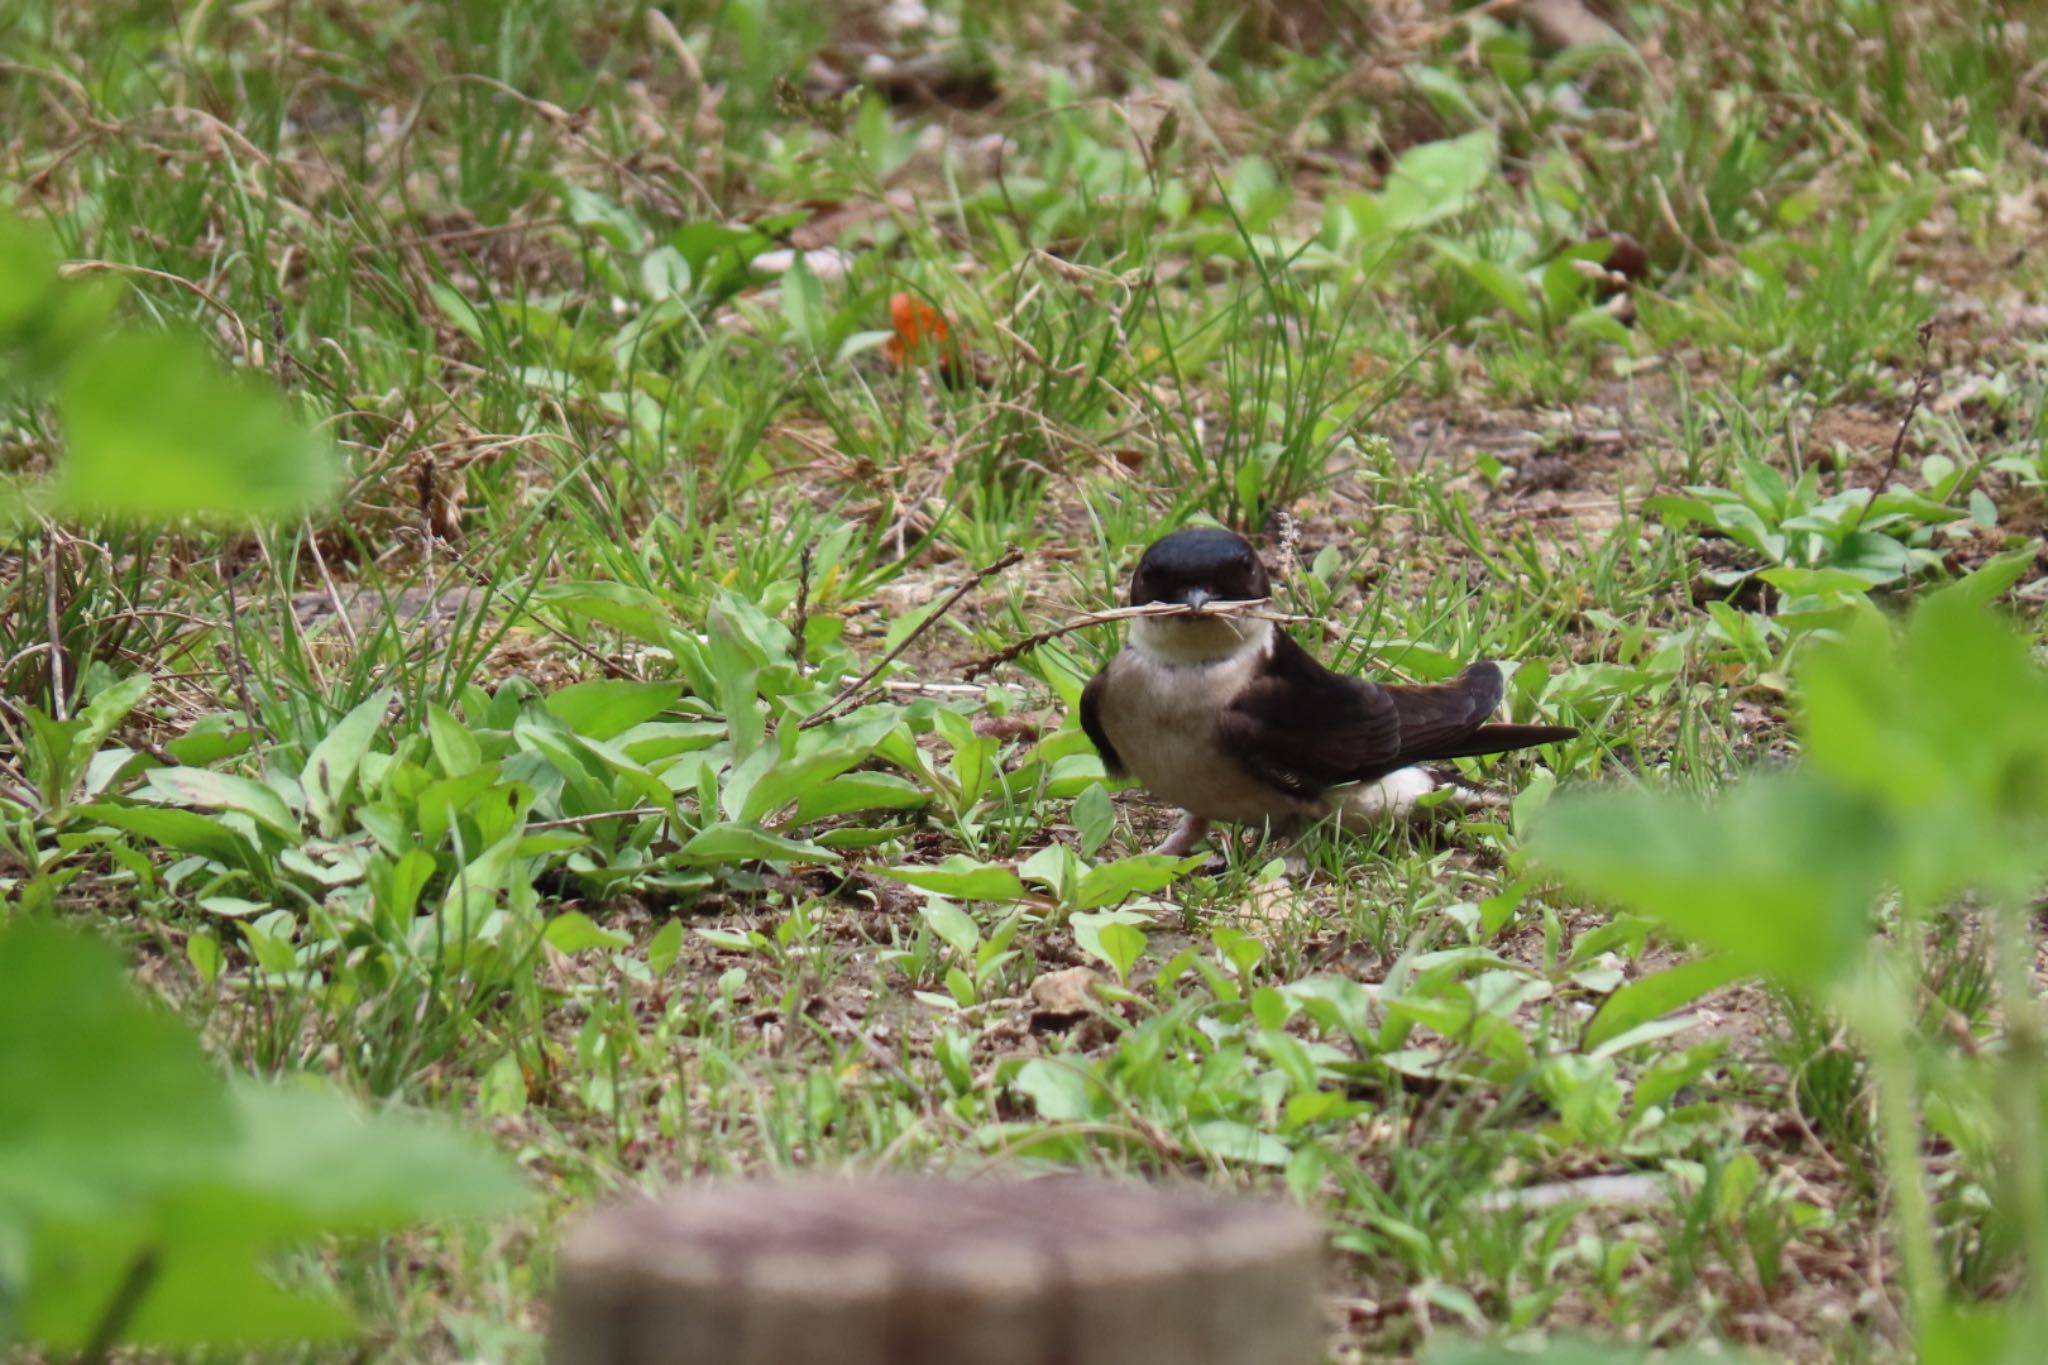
column 1228, row 718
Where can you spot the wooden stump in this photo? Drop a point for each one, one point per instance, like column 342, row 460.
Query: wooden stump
column 1062, row 1271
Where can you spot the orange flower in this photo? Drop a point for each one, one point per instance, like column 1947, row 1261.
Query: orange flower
column 921, row 331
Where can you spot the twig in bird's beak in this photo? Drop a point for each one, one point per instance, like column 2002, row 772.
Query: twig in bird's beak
column 1249, row 608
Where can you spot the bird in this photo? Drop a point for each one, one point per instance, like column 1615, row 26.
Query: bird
column 1229, row 718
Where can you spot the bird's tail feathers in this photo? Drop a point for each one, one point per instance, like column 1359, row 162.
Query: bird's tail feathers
column 1493, row 739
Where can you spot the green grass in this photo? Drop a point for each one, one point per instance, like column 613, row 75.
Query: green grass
column 1198, row 266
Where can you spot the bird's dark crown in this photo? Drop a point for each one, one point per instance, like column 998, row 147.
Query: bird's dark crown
column 1197, row 565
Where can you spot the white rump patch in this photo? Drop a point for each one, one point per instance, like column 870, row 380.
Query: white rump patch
column 1393, row 797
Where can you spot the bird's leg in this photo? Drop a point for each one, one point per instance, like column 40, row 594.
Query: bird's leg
column 1185, row 835
column 1294, row 833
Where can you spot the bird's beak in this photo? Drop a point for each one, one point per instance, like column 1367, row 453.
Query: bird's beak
column 1197, row 598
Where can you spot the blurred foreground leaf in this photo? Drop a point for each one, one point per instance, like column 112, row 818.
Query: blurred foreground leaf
column 1948, row 728
column 1780, row 872
column 139, row 1189
column 156, row 429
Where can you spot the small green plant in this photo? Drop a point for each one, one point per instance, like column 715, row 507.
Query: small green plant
column 142, row 1195
column 1925, row 792
column 1861, row 536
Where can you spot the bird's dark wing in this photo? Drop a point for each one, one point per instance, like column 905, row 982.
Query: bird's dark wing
column 1301, row 728
column 1091, row 724
column 1449, row 720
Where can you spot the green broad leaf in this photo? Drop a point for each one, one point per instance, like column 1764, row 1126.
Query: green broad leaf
column 1671, row 1072
column 206, row 789
column 604, row 216
column 1059, row 1089
column 1656, row 995
column 1796, row 582
column 864, row 836
column 28, row 274
column 665, row 947
column 398, row 883
column 1229, row 1140
column 1429, row 183
column 1109, row 883
column 108, row 709
column 101, row 1096
column 727, row 842
column 572, row 931
column 319, row 1166
column 234, row 907
column 1447, row 94
column 633, row 778
column 1504, row 284
column 472, row 893
column 664, row 274
column 155, row 429
column 633, row 612
column 1988, row 581
column 213, row 740
column 1116, row 937
column 1977, row 1334
column 1055, row 867
column 654, row 741
column 206, row 1284
column 181, row 831
column 960, row 986
column 456, row 750
column 294, row 1161
column 804, row 307
column 962, row 878
column 443, row 803
column 1915, row 507
column 717, row 253
column 1779, row 874
column 1871, row 556
column 733, row 940
column 460, row 312
column 790, row 778
column 202, row 950
column 331, row 768
column 851, row 792
column 952, row 924
column 606, row 708
column 1094, row 816
column 1677, row 510
column 1948, row 729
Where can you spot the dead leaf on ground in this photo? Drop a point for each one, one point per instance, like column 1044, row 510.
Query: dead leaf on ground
column 1006, row 727
column 1061, row 999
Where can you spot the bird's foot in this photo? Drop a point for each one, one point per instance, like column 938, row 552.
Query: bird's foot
column 1189, row 832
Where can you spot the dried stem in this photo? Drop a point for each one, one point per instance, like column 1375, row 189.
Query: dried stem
column 803, row 602
column 853, row 689
column 53, row 620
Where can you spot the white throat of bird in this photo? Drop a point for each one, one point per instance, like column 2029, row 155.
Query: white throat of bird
column 1183, row 640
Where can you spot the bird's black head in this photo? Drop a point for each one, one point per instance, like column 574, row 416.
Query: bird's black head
column 1199, row 565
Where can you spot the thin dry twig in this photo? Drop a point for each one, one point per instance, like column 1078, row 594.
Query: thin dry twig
column 70, row 268
column 853, row 689
column 54, row 622
column 803, row 606
column 1248, row 608
column 238, row 668
column 1922, row 381
column 348, row 627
